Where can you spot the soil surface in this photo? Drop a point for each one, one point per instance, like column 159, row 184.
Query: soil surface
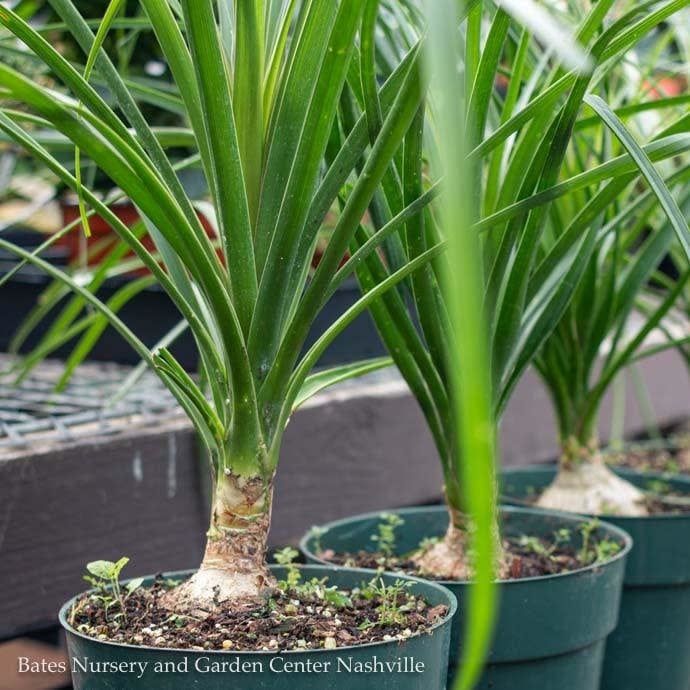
column 294, row 619
column 663, row 500
column 526, row 557
column 675, row 459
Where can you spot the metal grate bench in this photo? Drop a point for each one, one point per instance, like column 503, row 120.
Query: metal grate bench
column 33, row 414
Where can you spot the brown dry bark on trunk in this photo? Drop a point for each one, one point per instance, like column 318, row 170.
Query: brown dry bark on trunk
column 233, row 571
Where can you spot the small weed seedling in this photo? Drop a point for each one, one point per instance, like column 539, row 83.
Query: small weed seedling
column 427, row 543
column 659, row 487
column 313, row 588
column 316, row 534
column 563, row 536
column 286, row 557
column 331, row 595
column 104, row 576
column 606, row 549
column 390, row 610
column 587, row 530
column 672, row 466
column 595, row 551
column 539, row 547
column 386, row 533
column 536, row 546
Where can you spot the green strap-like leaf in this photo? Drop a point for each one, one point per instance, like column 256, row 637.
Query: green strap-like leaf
column 87, row 342
column 396, row 125
column 647, row 169
column 272, row 307
column 74, row 286
column 318, row 348
column 230, row 189
column 473, row 425
column 321, row 380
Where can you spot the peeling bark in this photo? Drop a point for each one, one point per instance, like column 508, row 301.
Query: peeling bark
column 233, row 571
column 584, row 484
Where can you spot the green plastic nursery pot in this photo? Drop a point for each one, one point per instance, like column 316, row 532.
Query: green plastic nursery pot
column 650, row 648
column 418, row 662
column 551, row 631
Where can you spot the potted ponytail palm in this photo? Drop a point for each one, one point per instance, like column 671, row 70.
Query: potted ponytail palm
column 528, row 284
column 260, row 83
column 605, row 328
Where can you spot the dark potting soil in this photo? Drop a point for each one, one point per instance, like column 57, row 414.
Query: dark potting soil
column 674, row 459
column 663, row 500
column 526, row 557
column 310, row 616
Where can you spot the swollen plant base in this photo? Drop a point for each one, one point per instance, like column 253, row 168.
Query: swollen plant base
column 447, row 557
column 649, row 648
column 211, row 589
column 551, row 630
column 233, row 571
column 406, row 660
column 589, row 487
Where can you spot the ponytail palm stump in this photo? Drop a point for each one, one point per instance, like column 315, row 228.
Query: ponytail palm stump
column 260, row 83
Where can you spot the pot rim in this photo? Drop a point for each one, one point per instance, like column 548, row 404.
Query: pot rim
column 326, row 569
column 622, row 472
column 625, row 538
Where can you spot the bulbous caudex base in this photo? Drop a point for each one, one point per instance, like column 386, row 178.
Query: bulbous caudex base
column 584, row 484
column 233, row 572
column 447, row 558
column 450, row 558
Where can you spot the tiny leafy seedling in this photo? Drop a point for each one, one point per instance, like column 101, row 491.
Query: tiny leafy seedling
column 331, row 595
column 313, row 588
column 428, row 542
column 316, row 534
column 536, row 546
column 605, row 550
column 659, row 487
column 104, row 576
column 540, row 547
column 587, row 530
column 391, row 611
column 385, row 537
column 596, row 550
column 286, row 557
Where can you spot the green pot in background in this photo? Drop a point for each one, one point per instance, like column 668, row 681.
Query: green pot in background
column 551, row 631
column 650, row 648
column 255, row 673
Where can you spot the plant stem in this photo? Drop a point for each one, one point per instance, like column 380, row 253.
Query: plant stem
column 575, row 451
column 240, row 519
column 233, row 571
